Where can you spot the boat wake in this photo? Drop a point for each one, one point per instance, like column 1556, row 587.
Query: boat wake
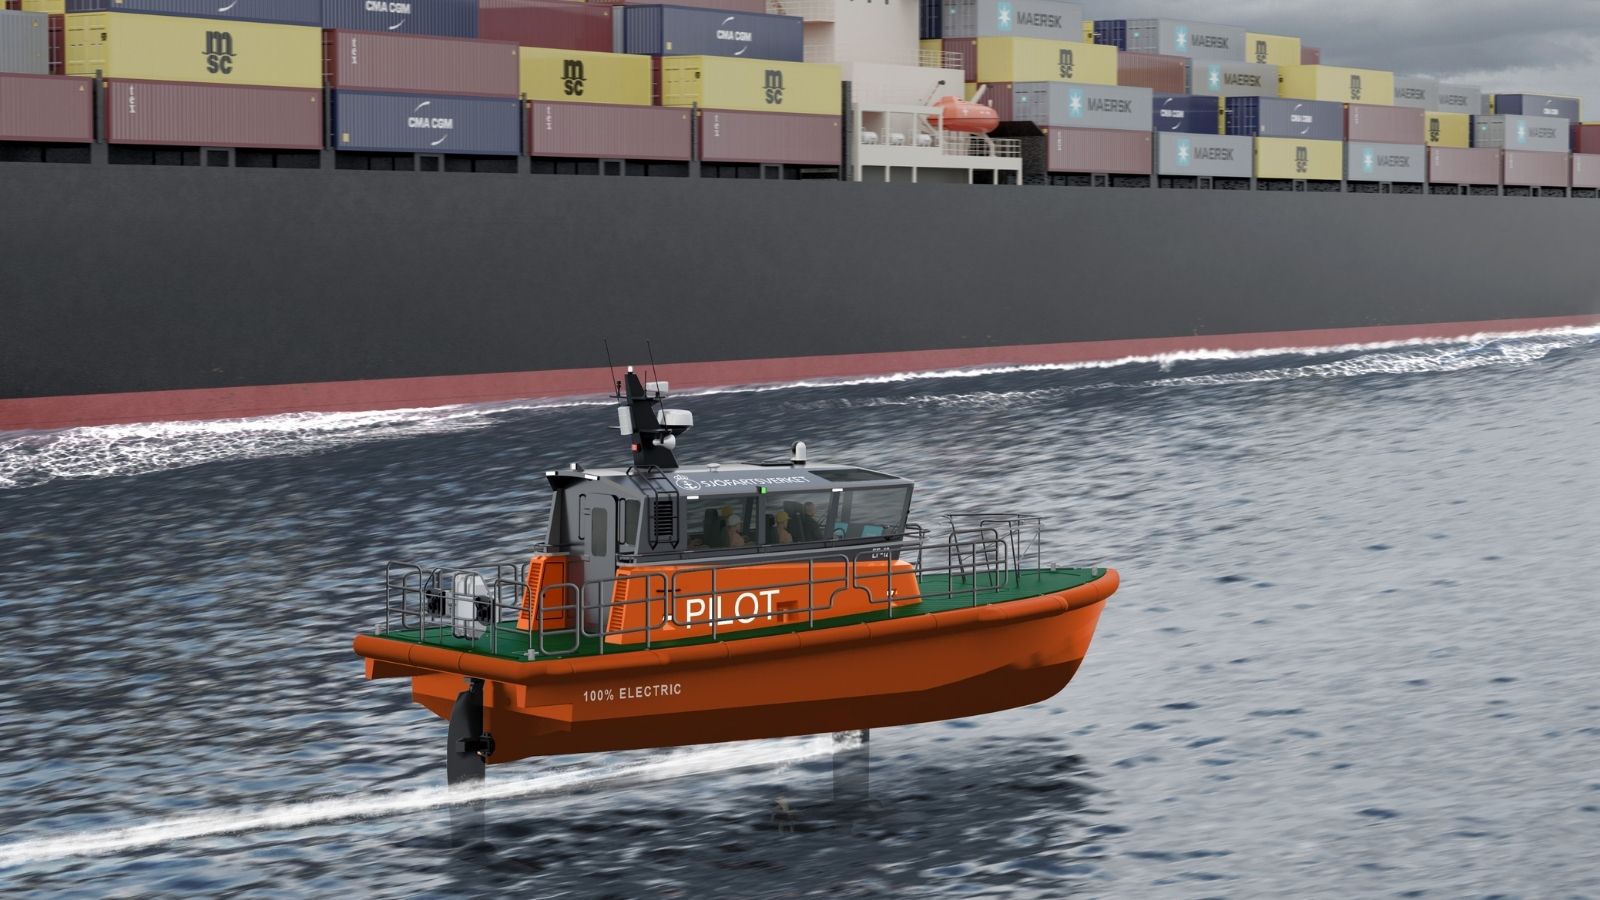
column 696, row 761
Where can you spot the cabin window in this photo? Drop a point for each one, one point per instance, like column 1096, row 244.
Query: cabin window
column 629, row 536
column 872, row 513
column 721, row 522
column 599, row 532
column 797, row 518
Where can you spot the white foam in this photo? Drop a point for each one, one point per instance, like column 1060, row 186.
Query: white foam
column 695, row 761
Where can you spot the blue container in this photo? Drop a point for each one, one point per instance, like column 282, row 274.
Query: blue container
column 442, row 18
column 932, row 23
column 691, row 31
column 1536, row 105
column 279, row 12
column 1185, row 113
column 426, row 123
column 1270, row 117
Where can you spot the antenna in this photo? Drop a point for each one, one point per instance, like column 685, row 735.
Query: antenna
column 616, row 386
column 654, row 375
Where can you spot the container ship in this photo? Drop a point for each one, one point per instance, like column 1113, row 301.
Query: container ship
column 224, row 209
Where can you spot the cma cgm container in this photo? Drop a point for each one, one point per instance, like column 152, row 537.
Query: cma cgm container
column 1337, row 83
column 1096, row 150
column 1162, row 74
column 1205, row 155
column 1271, row 49
column 1420, row 93
column 441, row 18
column 770, row 137
column 1537, row 105
column 718, row 82
column 548, row 23
column 213, row 115
column 1460, row 98
column 1233, row 79
column 1383, row 124
column 175, row 48
column 1396, row 163
column 1522, row 133
column 685, row 31
column 595, row 131
column 1535, row 168
column 426, row 123
column 1031, row 59
column 1443, row 129
column 1175, row 37
column 1586, row 170
column 24, row 43
column 1186, row 113
column 1299, row 160
column 579, row 76
column 408, row 63
column 283, row 12
column 1276, row 117
column 1054, row 104
column 1454, row 165
column 51, row 109
column 1051, row 20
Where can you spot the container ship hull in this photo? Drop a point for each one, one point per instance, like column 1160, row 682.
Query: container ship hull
column 138, row 293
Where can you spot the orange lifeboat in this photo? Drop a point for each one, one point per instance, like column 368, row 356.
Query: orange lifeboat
column 966, row 116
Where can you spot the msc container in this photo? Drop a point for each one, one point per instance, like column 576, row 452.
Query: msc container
column 1102, row 106
column 770, row 137
column 1186, row 113
column 1163, row 74
column 1534, row 168
column 175, row 48
column 1422, row 93
column 1586, row 138
column 24, row 43
column 1030, row 59
column 1453, row 165
column 718, row 82
column 1536, row 105
column 213, row 115
column 578, row 76
column 1271, row 49
column 1207, row 155
column 595, row 131
column 282, row 12
column 686, row 31
column 1460, row 98
column 1175, row 37
column 1397, row 163
column 1277, row 117
column 1310, row 56
column 1337, row 83
column 1383, row 124
column 47, row 109
column 408, row 63
column 1444, row 129
column 1051, row 20
column 1586, row 170
column 1232, row 79
column 440, row 18
column 426, row 123
column 1094, row 150
column 548, row 23
column 1299, row 160
column 1522, row 133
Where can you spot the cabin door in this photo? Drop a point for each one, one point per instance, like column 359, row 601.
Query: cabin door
column 599, row 559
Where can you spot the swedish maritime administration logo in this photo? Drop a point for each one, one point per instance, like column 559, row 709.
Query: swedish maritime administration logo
column 1214, row 77
column 1369, row 160
column 1522, row 132
column 1185, row 152
column 1003, row 17
column 1075, row 103
column 1180, row 38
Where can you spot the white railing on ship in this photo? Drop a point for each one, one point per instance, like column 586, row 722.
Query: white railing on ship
column 959, row 144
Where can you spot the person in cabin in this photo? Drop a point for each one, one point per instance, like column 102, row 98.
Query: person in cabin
column 810, row 527
column 781, row 527
column 733, row 537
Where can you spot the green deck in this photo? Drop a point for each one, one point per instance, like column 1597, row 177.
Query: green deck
column 942, row 593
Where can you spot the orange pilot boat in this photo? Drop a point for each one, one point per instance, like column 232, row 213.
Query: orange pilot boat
column 679, row 605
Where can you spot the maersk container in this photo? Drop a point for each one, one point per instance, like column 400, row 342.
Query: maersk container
column 1586, row 170
column 581, row 77
column 24, row 43
column 1537, row 105
column 1456, row 165
column 605, row 131
column 213, row 115
column 1383, row 124
column 1051, row 20
column 1055, row 104
column 1445, row 129
column 1338, row 83
column 1522, row 133
column 1299, row 160
column 560, row 24
column 426, row 123
column 440, row 18
column 1397, row 163
column 1271, row 49
column 1414, row 91
column 47, row 109
column 1270, row 117
column 1162, row 74
column 1174, row 37
column 770, row 137
column 1031, row 59
column 1186, row 113
column 1205, row 155
column 408, row 63
column 1535, row 168
column 687, row 31
column 177, row 48
column 1460, row 98
column 282, row 12
column 757, row 85
column 1232, row 79
column 1586, row 137
column 1099, row 151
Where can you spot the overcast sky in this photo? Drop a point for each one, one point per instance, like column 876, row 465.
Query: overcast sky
column 1501, row 46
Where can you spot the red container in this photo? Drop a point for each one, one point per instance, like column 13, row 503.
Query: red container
column 998, row 97
column 561, row 24
column 1586, row 170
column 608, row 131
column 968, row 48
column 1097, row 150
column 58, row 44
column 1586, row 138
column 1310, row 56
column 418, row 64
column 46, row 109
column 764, row 137
column 1162, row 74
column 213, row 115
column 1384, row 124
column 1536, row 168
column 1459, row 165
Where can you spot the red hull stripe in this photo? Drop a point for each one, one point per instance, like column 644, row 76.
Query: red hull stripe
column 445, row 390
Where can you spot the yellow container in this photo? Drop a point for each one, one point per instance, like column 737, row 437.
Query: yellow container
column 1336, row 83
column 175, row 48
column 1443, row 129
column 1300, row 160
column 1035, row 59
column 44, row 6
column 584, row 77
column 1088, row 29
column 723, row 82
column 1271, row 49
